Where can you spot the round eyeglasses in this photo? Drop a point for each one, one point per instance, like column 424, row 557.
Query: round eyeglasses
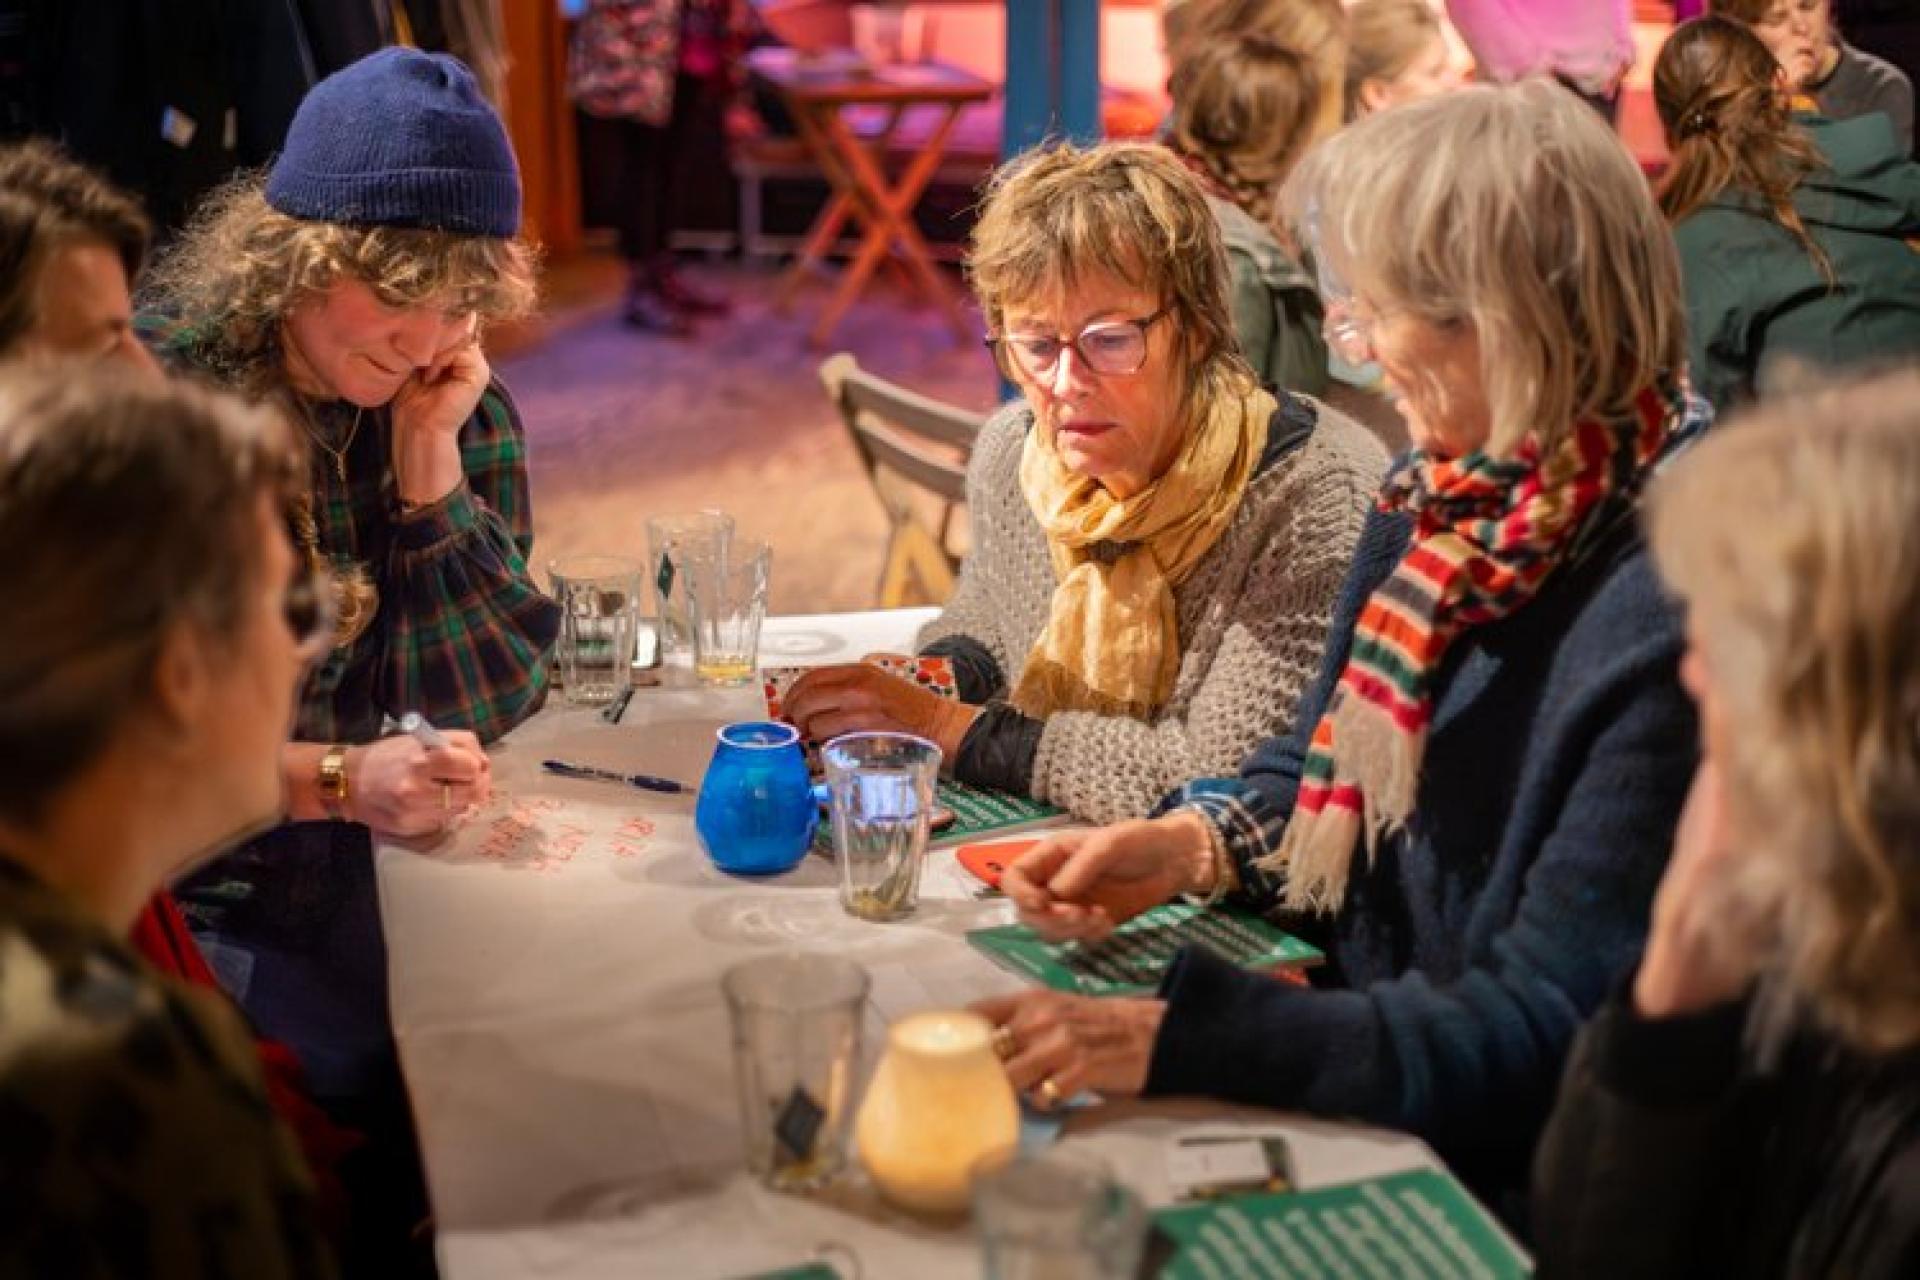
column 1113, row 347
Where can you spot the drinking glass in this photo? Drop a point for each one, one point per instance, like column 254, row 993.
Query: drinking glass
column 1056, row 1217
column 598, row 597
column 756, row 811
column 882, row 787
column 727, row 598
column 670, row 539
column 796, row 1052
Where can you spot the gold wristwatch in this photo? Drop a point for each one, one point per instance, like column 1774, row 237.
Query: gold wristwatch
column 333, row 781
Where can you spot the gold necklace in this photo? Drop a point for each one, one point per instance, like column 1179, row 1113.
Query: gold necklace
column 339, row 455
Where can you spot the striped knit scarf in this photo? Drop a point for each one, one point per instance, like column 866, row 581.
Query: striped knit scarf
column 1488, row 533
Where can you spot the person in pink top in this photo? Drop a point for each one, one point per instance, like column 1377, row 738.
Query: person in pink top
column 1587, row 45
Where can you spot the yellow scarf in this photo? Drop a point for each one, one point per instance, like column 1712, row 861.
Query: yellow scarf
column 1112, row 640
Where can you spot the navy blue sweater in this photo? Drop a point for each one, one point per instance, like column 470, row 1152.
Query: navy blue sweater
column 1468, row 955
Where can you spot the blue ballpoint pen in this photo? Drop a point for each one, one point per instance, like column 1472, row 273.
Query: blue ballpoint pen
column 644, row 781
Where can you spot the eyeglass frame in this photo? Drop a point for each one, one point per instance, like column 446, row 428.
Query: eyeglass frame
column 1008, row 363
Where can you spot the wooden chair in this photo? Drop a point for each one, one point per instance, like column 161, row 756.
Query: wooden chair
column 914, row 449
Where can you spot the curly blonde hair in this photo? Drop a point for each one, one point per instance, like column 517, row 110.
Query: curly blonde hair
column 241, row 266
column 1808, row 619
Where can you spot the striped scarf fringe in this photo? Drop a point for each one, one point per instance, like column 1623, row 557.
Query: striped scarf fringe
column 1488, row 533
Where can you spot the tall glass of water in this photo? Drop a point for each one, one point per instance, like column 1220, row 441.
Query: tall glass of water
column 882, row 785
column 598, row 597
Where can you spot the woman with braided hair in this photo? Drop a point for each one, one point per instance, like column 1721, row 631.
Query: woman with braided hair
column 1245, row 109
column 1797, row 234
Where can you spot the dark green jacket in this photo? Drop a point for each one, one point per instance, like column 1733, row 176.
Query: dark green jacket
column 1276, row 312
column 1754, row 294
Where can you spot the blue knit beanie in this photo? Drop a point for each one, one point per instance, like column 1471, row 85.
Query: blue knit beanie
column 399, row 139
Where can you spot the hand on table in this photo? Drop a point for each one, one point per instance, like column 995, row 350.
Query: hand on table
column 1699, row 954
column 400, row 788
column 428, row 412
column 1081, row 884
column 1056, row 1045
column 829, row 701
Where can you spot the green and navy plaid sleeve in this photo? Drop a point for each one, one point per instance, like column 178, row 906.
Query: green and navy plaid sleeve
column 1250, row 811
column 470, row 633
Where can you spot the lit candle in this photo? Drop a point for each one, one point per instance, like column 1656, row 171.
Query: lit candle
column 939, row 1103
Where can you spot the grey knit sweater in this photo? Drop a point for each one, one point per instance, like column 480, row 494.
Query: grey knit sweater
column 1253, row 614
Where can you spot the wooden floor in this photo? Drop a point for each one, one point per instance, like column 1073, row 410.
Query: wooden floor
column 622, row 426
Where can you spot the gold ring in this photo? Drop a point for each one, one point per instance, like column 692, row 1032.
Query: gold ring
column 1049, row 1092
column 446, row 797
column 1003, row 1045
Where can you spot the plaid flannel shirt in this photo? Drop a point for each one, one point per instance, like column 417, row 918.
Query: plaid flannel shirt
column 462, row 635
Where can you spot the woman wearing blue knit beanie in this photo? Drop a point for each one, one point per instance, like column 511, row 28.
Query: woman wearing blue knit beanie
column 351, row 287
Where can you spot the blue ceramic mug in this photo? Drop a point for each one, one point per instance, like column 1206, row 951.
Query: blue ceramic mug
column 756, row 812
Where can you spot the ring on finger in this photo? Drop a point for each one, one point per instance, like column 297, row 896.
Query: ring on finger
column 1049, row 1092
column 446, row 797
column 1003, row 1045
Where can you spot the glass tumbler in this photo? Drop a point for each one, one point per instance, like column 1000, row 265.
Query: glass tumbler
column 598, row 598
column 882, row 789
column 796, row 1020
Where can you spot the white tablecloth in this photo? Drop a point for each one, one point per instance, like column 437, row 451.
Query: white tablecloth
column 555, row 994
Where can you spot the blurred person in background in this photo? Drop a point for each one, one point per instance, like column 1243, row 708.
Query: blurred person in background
column 1587, row 45
column 1397, row 51
column 1245, row 109
column 1843, row 82
column 651, row 66
column 1799, row 237
column 1748, row 1101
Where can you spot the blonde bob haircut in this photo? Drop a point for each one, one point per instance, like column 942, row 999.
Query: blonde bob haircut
column 1808, row 618
column 241, row 266
column 1129, row 211
column 1516, row 210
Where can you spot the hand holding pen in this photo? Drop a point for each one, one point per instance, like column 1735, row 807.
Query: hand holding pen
column 419, row 781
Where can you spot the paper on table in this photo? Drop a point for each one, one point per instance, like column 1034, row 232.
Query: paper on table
column 1413, row 1225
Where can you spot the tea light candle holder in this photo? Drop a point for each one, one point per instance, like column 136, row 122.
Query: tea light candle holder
column 939, row 1103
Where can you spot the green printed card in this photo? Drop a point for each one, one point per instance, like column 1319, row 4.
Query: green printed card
column 1135, row 957
column 1411, row 1226
column 978, row 812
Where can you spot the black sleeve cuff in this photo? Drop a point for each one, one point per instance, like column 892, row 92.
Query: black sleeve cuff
column 1206, row 999
column 1682, row 1061
column 975, row 672
column 999, row 750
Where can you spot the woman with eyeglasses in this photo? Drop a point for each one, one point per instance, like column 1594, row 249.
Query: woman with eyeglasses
column 146, row 682
column 1480, row 787
column 1156, row 539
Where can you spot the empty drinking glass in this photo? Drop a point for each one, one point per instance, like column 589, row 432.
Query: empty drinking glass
column 796, row 1053
column 1056, row 1217
column 670, row 538
column 727, row 599
column 598, row 598
column 882, row 786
